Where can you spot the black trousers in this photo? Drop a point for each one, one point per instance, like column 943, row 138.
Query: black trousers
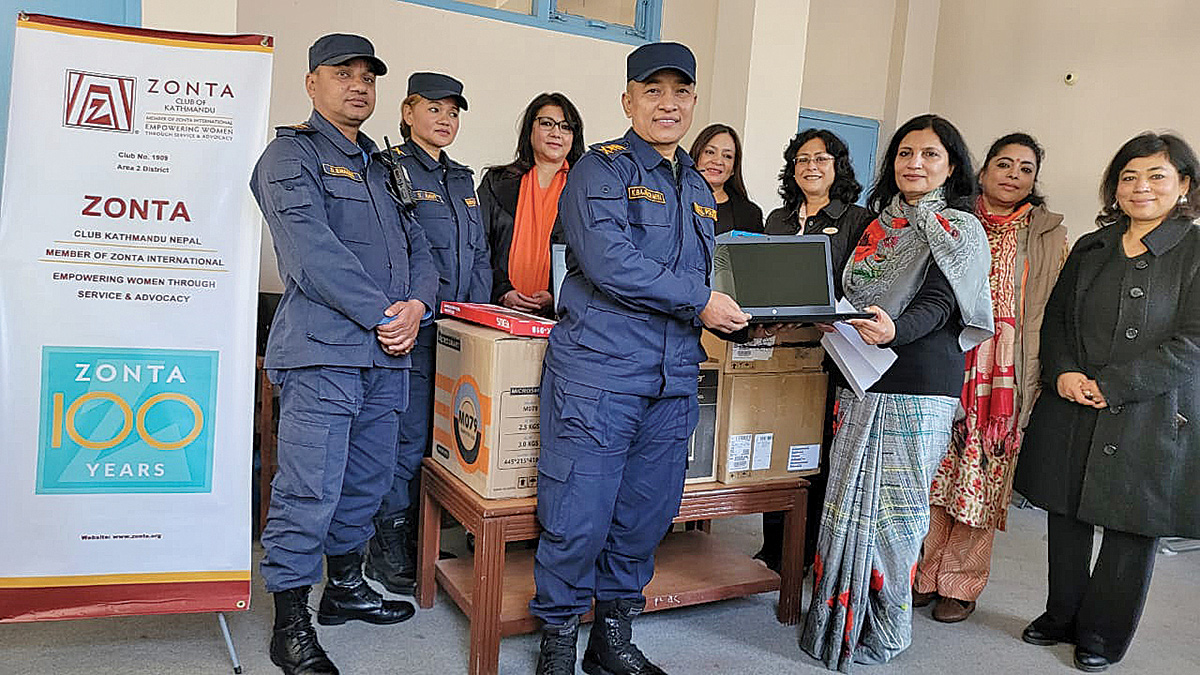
column 1100, row 605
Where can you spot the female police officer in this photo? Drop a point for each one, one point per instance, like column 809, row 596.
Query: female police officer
column 448, row 211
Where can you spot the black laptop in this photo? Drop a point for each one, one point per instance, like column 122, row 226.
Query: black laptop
column 779, row 278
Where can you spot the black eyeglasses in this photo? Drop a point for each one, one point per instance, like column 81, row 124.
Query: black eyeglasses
column 549, row 123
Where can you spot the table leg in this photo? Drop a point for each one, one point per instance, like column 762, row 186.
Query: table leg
column 791, row 573
column 487, row 597
column 430, row 542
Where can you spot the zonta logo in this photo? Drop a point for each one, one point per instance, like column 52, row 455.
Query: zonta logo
column 96, row 101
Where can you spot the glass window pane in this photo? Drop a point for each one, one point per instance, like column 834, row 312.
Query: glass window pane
column 623, row 12
column 518, row 6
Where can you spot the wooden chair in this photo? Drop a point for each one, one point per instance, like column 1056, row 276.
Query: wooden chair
column 266, row 424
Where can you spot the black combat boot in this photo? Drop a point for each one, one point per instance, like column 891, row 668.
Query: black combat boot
column 294, row 646
column 392, row 554
column 609, row 650
column 557, row 653
column 347, row 596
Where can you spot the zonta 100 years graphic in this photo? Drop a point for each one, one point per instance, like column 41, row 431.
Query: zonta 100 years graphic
column 126, row 420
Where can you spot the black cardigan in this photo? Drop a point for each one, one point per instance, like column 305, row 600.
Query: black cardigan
column 498, row 194
column 738, row 213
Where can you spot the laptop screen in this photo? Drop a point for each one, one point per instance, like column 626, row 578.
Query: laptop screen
column 777, row 273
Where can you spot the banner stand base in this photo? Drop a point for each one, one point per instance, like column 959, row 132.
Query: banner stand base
column 237, row 665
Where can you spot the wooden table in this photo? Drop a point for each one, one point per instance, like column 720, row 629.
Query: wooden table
column 691, row 567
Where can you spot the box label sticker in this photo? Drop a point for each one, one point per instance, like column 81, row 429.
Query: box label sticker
column 759, row 349
column 804, row 457
column 762, row 451
column 739, row 452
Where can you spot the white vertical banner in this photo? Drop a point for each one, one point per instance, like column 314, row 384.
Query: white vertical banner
column 128, row 282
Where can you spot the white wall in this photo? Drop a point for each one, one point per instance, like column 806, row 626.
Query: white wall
column 847, row 55
column 1000, row 68
column 210, row 16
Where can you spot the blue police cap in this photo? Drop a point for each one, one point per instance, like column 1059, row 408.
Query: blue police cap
column 338, row 48
column 434, row 86
column 651, row 58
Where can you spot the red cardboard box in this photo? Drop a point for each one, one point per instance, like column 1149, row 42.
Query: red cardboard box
column 493, row 316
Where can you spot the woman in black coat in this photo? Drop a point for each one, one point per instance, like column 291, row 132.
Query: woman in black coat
column 550, row 140
column 1114, row 440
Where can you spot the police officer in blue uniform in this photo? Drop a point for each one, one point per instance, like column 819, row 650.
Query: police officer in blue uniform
column 358, row 281
column 619, row 380
column 448, row 211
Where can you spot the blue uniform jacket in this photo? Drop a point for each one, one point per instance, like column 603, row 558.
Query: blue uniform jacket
column 345, row 250
column 448, row 212
column 639, row 254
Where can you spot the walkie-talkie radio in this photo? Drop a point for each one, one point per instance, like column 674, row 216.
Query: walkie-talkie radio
column 399, row 185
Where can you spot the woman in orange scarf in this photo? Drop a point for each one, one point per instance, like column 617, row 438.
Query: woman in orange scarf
column 971, row 490
column 519, row 202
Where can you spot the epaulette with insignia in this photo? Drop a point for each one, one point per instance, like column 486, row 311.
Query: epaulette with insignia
column 611, row 149
column 293, row 129
column 397, row 151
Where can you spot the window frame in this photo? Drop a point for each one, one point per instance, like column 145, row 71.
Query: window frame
column 544, row 14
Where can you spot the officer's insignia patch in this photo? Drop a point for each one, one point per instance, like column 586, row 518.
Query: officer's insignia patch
column 426, row 196
column 643, row 192
column 302, row 126
column 704, row 211
column 470, row 201
column 344, row 172
column 397, row 151
column 611, row 149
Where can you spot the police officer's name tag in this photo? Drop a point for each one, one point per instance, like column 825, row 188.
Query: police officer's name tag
column 343, row 171
column 705, row 211
column 426, row 196
column 643, row 192
column 829, row 230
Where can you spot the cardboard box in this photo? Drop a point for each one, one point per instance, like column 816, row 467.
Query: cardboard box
column 501, row 318
column 702, row 460
column 789, row 351
column 770, row 425
column 486, row 423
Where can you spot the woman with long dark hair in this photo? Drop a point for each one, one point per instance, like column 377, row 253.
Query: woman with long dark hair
column 519, row 201
column 973, row 485
column 1114, row 440
column 922, row 268
column 717, row 152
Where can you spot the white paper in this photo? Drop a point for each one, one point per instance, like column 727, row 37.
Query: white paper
column 758, row 349
column 762, row 451
column 738, row 453
column 861, row 364
column 804, row 457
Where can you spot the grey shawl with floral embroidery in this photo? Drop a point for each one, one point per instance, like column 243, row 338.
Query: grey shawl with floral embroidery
column 892, row 257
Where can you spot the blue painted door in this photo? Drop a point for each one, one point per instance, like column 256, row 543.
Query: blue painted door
column 127, row 12
column 860, row 134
